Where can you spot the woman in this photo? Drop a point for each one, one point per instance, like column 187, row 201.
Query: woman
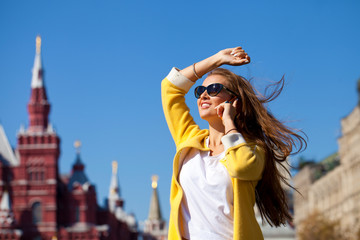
column 219, row 173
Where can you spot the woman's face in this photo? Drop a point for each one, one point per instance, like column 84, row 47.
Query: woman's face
column 207, row 104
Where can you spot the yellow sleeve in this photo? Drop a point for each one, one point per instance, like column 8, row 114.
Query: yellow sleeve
column 244, row 161
column 177, row 114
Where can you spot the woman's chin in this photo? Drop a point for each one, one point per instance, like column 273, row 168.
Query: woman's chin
column 209, row 117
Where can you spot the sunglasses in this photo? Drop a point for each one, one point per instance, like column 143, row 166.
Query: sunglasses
column 212, row 90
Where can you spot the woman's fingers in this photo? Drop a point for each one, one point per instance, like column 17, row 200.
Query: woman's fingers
column 240, row 57
column 234, row 56
column 220, row 109
column 224, row 108
column 236, row 49
column 241, row 61
column 240, row 54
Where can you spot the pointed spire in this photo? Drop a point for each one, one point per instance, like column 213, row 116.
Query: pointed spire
column 5, row 204
column 6, row 214
column 7, row 155
column 114, row 190
column 154, row 225
column 37, row 71
column 114, row 199
column 38, row 107
column 154, row 211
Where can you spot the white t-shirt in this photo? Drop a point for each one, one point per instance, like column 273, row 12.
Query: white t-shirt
column 207, row 206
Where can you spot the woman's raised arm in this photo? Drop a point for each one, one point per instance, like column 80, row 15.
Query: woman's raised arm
column 230, row 56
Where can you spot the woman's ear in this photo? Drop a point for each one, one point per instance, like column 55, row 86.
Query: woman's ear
column 235, row 102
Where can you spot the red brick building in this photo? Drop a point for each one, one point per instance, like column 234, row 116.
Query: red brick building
column 38, row 203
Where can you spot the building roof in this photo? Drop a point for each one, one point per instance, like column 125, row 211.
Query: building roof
column 7, row 155
column 78, row 174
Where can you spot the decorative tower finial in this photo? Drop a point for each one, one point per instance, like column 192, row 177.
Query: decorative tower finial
column 77, row 145
column 38, row 44
column 154, row 179
column 114, row 167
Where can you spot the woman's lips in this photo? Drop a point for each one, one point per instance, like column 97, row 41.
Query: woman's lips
column 205, row 105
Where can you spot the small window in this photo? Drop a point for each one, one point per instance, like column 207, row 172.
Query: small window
column 36, row 213
column 77, row 214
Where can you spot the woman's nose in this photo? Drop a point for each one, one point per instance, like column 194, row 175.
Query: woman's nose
column 204, row 95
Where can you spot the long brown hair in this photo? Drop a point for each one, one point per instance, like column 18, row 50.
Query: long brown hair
column 258, row 125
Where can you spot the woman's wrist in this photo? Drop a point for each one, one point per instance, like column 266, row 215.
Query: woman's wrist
column 197, row 70
column 228, row 123
column 218, row 60
column 230, row 128
column 233, row 130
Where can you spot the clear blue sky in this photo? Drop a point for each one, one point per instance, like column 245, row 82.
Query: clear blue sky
column 104, row 61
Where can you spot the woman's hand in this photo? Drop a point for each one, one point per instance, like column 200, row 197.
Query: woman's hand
column 227, row 112
column 233, row 56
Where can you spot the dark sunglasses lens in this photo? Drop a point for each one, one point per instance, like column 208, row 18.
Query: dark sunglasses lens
column 199, row 90
column 214, row 89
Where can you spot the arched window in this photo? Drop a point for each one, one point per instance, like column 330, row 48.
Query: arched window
column 36, row 213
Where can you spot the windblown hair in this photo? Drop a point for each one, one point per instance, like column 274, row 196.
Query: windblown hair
column 258, row 125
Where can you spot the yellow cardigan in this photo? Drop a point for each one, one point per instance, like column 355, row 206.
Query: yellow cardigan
column 244, row 162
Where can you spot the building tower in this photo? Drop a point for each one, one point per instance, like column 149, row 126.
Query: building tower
column 122, row 224
column 114, row 199
column 155, row 226
column 35, row 179
column 82, row 196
